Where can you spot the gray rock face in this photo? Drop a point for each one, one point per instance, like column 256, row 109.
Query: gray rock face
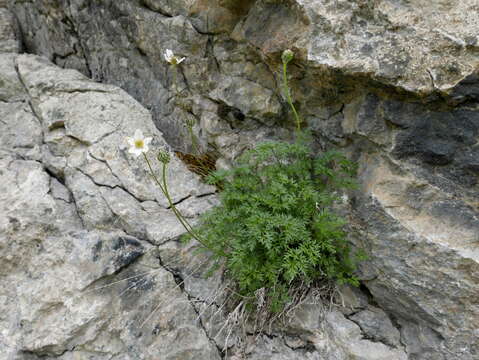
column 347, row 341
column 393, row 83
column 129, row 52
column 388, row 43
column 78, row 215
column 376, row 325
column 393, row 42
column 9, row 40
column 90, row 265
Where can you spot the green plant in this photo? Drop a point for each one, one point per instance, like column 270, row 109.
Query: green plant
column 275, row 226
column 286, row 57
column 275, row 229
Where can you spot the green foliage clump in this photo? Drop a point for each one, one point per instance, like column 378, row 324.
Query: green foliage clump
column 275, row 226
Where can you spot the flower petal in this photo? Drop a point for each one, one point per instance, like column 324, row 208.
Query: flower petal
column 130, row 141
column 138, row 134
column 147, row 140
column 169, row 55
column 181, row 60
column 145, row 149
column 136, row 152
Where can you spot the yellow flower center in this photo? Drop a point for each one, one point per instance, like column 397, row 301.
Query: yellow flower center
column 139, row 144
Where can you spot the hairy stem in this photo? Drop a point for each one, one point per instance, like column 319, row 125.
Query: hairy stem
column 194, row 140
column 175, row 85
column 288, row 96
column 164, row 189
column 180, row 217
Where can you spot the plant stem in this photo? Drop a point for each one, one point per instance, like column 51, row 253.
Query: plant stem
column 175, row 85
column 164, row 190
column 288, row 96
column 180, row 217
column 152, row 173
column 194, row 141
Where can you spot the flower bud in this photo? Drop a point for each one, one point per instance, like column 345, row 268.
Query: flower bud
column 287, row 56
column 163, row 156
column 190, row 122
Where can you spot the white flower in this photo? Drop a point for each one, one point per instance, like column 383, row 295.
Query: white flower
column 172, row 58
column 138, row 143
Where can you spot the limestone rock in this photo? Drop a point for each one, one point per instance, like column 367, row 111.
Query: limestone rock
column 376, row 325
column 80, row 278
column 130, row 53
column 393, row 83
column 347, row 342
column 9, row 40
column 394, row 43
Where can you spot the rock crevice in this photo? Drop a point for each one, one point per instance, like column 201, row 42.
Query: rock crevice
column 77, row 209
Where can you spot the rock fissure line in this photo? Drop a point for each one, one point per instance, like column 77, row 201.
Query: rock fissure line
column 56, row 56
column 82, row 91
column 109, row 168
column 368, row 337
column 29, row 100
column 116, row 272
column 46, row 355
column 206, row 195
column 221, row 352
column 179, row 280
column 78, row 211
column 79, row 40
column 178, row 202
column 146, row 5
column 124, row 225
column 55, row 176
column 376, row 49
column 112, row 187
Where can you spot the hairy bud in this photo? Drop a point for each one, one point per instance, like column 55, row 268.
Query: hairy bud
column 163, row 156
column 287, row 56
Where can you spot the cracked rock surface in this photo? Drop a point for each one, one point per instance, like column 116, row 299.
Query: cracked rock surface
column 91, row 268
column 231, row 76
column 78, row 214
column 394, row 84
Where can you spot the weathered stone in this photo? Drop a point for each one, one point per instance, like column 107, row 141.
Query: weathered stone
column 376, row 325
column 275, row 349
column 467, row 89
column 250, row 98
column 393, row 42
column 351, row 299
column 366, row 76
column 12, row 88
column 9, row 41
column 347, row 342
column 136, row 32
column 79, row 278
column 21, row 131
